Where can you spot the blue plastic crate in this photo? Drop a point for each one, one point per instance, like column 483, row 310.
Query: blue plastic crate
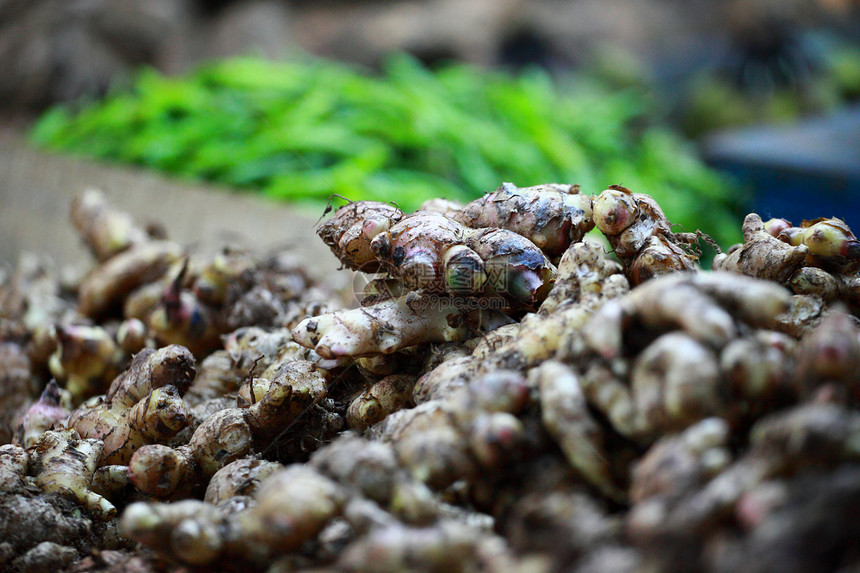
column 803, row 171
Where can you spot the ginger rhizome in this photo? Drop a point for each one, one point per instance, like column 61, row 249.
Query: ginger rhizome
column 501, row 242
column 142, row 406
column 105, row 230
column 501, row 245
column 350, row 231
column 641, row 235
column 87, row 358
column 818, row 261
column 52, row 409
column 266, row 408
column 291, row 506
column 830, row 241
column 392, row 325
column 430, row 251
column 518, row 396
column 551, row 216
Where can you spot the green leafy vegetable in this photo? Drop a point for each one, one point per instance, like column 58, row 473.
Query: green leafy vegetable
column 304, row 130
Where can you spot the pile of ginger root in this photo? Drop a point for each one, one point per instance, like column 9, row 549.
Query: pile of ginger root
column 540, row 380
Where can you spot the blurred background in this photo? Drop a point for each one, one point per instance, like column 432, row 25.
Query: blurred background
column 714, row 107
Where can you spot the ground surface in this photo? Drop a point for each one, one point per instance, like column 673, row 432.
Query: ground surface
column 36, row 189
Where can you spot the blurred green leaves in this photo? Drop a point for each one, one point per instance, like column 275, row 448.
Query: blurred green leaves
column 301, row 131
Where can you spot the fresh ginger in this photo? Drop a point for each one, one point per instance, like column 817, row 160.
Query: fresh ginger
column 641, row 235
column 50, row 410
column 830, row 242
column 588, row 280
column 551, row 216
column 181, row 318
column 272, row 405
column 268, row 407
column 165, row 472
column 762, row 255
column 532, row 415
column 431, row 251
column 64, row 464
column 565, row 415
column 817, row 259
column 392, row 325
column 693, row 302
column 791, row 455
column 680, row 460
column 170, row 365
column 241, row 477
column 720, row 358
column 585, row 276
column 292, row 506
column 142, row 406
column 515, row 267
column 830, row 354
column 106, row 231
column 384, row 397
column 467, row 431
column 352, row 228
column 370, row 470
column 248, row 352
column 106, row 285
column 158, row 417
column 51, row 514
column 86, row 359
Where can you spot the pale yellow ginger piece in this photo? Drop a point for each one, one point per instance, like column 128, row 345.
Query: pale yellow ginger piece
column 762, row 255
column 109, row 283
column 386, row 327
column 565, row 415
column 267, row 407
column 106, row 230
column 241, row 477
column 65, row 465
column 699, row 303
column 86, row 359
column 384, row 397
column 292, row 506
column 142, row 405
